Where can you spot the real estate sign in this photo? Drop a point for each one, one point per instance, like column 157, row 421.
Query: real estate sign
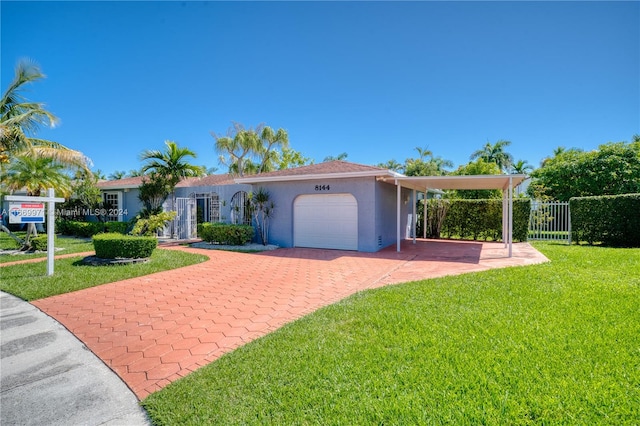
column 26, row 213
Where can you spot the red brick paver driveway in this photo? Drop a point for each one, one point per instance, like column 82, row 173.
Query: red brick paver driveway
column 155, row 329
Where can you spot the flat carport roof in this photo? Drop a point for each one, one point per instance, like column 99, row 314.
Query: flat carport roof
column 505, row 183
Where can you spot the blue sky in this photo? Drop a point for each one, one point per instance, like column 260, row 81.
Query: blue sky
column 373, row 79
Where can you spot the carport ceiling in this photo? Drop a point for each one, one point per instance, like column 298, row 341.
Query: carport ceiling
column 421, row 183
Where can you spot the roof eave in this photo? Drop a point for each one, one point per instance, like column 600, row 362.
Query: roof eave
column 115, row 188
column 315, row 176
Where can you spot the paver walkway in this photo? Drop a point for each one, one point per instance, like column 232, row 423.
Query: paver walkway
column 155, row 329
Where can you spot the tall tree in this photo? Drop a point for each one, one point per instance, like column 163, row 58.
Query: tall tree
column 152, row 193
column 521, row 167
column 612, row 169
column 20, row 119
column 391, row 165
column 249, row 151
column 209, row 170
column 426, row 164
column 289, row 157
column 270, row 142
column 172, row 165
column 34, row 174
column 99, row 175
column 117, row 175
column 495, row 153
column 340, row 157
column 478, row 167
column 424, row 153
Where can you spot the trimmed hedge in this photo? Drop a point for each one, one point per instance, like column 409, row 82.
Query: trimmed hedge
column 117, row 227
column 39, row 243
column 610, row 219
column 89, row 229
column 220, row 233
column 481, row 219
column 79, row 229
column 116, row 246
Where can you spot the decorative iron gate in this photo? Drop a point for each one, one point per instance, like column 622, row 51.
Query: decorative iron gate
column 186, row 219
column 550, row 221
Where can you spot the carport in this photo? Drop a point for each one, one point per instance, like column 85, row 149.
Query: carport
column 505, row 183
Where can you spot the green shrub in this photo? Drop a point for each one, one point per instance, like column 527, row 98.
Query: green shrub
column 114, row 246
column 611, row 219
column 482, row 219
column 220, row 233
column 89, row 229
column 152, row 224
column 39, row 243
column 117, row 227
column 79, row 229
column 62, row 227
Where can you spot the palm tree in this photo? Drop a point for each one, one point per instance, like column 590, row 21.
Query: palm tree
column 391, row 165
column 117, row 175
column 426, row 164
column 20, row 119
column 521, row 167
column 172, row 165
column 495, row 153
column 209, row 170
column 269, row 141
column 424, row 152
column 441, row 164
column 99, row 175
column 556, row 152
column 240, row 145
column 340, row 157
column 250, row 151
column 34, row 174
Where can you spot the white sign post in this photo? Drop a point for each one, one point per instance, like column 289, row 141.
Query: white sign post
column 51, row 201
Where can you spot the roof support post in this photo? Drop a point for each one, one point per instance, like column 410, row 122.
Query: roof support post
column 424, row 214
column 398, row 201
column 510, row 216
column 414, row 219
column 505, row 215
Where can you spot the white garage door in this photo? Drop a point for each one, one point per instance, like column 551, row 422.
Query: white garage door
column 326, row 221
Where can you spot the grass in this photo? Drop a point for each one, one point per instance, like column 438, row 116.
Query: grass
column 548, row 344
column 67, row 244
column 29, row 281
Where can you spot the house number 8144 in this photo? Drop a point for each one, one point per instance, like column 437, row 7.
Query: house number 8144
column 323, row 187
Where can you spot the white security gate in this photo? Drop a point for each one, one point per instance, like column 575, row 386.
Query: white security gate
column 550, row 221
column 326, row 221
column 186, row 218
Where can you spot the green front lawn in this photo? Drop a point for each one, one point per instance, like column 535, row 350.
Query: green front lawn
column 556, row 343
column 66, row 244
column 30, row 281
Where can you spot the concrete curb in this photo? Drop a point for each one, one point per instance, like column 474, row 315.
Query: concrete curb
column 49, row 377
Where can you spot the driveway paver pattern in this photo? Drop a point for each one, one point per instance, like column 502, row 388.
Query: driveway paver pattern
column 155, row 329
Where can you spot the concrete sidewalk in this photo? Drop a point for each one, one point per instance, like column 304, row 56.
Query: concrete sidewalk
column 48, row 377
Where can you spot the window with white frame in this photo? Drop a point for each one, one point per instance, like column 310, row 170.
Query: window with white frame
column 113, row 206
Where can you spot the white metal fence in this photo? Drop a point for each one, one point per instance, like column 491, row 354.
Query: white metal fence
column 184, row 226
column 186, row 219
column 550, row 221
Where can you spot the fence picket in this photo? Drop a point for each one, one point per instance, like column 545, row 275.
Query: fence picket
column 550, row 221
